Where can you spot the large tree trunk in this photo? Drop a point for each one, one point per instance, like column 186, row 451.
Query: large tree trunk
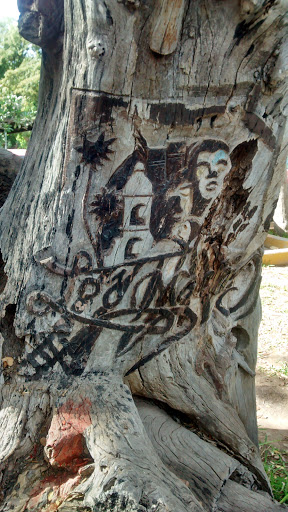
column 133, row 241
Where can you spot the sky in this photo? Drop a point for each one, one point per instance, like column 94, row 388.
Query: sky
column 8, row 9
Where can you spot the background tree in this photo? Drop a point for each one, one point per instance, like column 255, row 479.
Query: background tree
column 19, row 84
column 132, row 242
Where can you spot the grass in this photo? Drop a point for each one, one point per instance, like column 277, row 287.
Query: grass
column 276, row 468
column 278, row 371
column 272, row 232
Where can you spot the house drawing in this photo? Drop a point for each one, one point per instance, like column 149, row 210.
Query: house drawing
column 135, row 239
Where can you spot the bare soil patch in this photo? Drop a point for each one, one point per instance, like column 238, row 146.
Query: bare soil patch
column 272, row 365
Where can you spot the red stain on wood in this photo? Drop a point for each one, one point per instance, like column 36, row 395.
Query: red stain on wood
column 65, row 445
column 54, row 489
column 33, row 455
column 65, row 448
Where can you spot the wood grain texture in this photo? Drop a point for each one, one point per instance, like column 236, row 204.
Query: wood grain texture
column 203, row 466
column 237, row 498
column 168, row 19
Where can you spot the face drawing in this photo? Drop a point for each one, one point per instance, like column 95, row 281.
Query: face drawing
column 211, row 169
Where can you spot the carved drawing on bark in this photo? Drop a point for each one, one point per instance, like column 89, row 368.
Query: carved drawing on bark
column 135, row 274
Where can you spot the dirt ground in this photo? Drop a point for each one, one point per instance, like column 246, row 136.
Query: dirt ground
column 272, row 365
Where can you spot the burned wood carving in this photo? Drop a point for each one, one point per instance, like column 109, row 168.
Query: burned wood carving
column 136, row 279
column 136, row 273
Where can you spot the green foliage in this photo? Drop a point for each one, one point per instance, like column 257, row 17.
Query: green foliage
column 13, row 114
column 276, row 468
column 19, row 81
column 12, row 47
column 19, row 140
column 273, row 232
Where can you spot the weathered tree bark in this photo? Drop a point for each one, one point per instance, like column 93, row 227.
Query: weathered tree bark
column 9, row 166
column 133, row 241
